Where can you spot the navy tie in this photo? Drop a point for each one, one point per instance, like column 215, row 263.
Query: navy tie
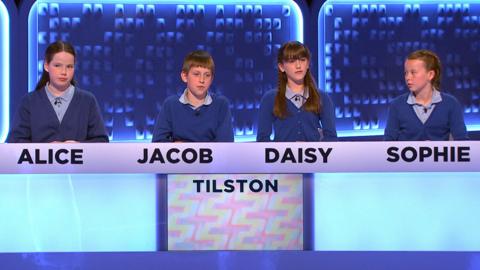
column 58, row 101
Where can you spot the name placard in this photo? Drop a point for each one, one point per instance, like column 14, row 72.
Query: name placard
column 300, row 157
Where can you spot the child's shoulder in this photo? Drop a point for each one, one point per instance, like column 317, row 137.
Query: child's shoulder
column 401, row 99
column 171, row 102
column 172, row 99
column 219, row 98
column 270, row 94
column 84, row 93
column 34, row 93
column 448, row 97
column 33, row 96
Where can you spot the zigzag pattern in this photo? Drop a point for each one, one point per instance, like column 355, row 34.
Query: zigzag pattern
column 235, row 221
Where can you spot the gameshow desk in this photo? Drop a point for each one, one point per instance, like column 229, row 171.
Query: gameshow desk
column 335, row 196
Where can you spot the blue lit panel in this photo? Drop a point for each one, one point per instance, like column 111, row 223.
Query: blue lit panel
column 130, row 55
column 362, row 47
column 62, row 213
column 4, row 72
column 397, row 212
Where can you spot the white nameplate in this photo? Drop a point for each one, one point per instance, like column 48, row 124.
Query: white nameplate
column 168, row 158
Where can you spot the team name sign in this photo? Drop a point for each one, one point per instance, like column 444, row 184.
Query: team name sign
column 208, row 158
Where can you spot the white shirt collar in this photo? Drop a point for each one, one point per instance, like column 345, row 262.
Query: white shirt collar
column 65, row 96
column 289, row 94
column 184, row 100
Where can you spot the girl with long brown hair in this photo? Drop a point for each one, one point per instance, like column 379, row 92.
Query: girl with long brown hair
column 296, row 110
column 58, row 111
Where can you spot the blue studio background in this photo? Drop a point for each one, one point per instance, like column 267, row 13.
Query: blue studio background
column 130, row 56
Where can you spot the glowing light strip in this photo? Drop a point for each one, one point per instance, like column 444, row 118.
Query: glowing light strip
column 177, row 2
column 380, row 132
column 246, row 138
column 241, row 138
column 321, row 45
column 353, row 2
column 32, row 50
column 5, row 71
column 299, row 18
column 473, row 127
column 360, row 133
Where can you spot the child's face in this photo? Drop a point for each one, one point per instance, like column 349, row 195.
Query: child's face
column 417, row 77
column 295, row 69
column 198, row 80
column 60, row 70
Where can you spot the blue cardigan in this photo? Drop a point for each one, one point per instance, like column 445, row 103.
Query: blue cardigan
column 179, row 122
column 446, row 118
column 36, row 121
column 300, row 125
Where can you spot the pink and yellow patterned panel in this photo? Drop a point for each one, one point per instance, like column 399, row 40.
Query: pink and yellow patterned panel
column 235, row 212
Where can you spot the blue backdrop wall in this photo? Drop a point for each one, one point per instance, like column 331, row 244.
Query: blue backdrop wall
column 130, row 54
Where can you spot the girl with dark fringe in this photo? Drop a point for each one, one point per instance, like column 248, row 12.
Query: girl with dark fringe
column 296, row 110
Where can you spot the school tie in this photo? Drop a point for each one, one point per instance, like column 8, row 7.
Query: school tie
column 57, row 101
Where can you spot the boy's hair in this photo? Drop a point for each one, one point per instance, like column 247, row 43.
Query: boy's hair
column 432, row 62
column 198, row 58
